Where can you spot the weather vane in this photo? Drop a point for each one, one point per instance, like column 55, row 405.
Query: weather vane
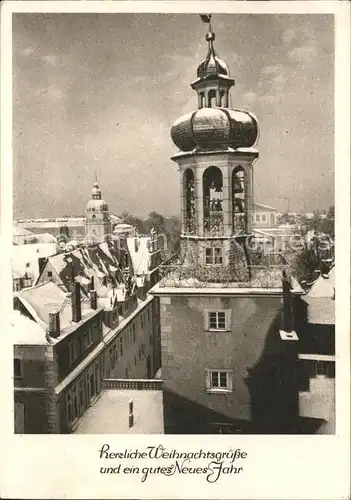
column 206, row 18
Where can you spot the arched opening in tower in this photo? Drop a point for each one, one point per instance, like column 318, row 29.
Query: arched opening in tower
column 212, row 200
column 211, row 98
column 189, row 201
column 202, row 99
column 238, row 199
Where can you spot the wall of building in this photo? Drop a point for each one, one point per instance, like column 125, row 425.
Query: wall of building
column 131, row 351
column 39, row 417
column 263, row 217
column 251, row 350
column 75, row 347
column 37, row 367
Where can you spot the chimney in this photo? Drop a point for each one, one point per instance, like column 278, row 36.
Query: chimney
column 93, row 299
column 54, row 324
column 76, row 303
column 287, row 304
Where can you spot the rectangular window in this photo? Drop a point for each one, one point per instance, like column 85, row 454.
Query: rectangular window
column 112, row 358
column 121, row 346
column 49, row 274
column 217, row 320
column 142, row 321
column 258, row 217
column 90, row 336
column 72, row 352
column 219, row 380
column 218, row 256
column 134, row 333
column 213, row 255
column 17, row 367
column 264, row 218
column 85, row 340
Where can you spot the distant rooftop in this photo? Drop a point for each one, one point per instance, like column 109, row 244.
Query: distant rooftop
column 110, row 413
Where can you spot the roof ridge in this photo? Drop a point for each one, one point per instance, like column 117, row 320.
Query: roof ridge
column 36, row 286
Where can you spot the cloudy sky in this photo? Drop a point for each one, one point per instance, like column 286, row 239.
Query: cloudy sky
column 99, row 92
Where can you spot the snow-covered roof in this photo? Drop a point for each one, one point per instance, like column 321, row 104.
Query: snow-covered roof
column 266, row 207
column 139, row 253
column 26, row 331
column 41, row 300
column 101, row 262
column 324, row 286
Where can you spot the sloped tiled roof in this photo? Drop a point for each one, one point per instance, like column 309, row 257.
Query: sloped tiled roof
column 26, row 331
column 321, row 306
column 321, row 310
column 139, row 253
column 323, row 286
column 100, row 262
column 21, row 231
column 46, row 298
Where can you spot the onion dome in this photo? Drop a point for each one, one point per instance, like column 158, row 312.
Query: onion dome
column 212, row 66
column 215, row 128
column 97, row 204
column 96, row 191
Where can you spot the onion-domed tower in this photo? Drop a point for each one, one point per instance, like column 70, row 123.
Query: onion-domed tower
column 97, row 218
column 215, row 160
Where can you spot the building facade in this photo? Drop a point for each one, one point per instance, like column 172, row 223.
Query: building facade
column 66, row 345
column 263, row 216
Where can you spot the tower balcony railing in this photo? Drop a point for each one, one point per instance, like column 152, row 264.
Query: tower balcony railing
column 263, row 272
column 189, row 225
column 213, row 224
column 239, row 224
column 133, row 384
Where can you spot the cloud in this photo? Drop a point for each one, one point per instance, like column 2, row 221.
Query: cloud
column 289, row 35
column 50, row 59
column 27, row 51
column 305, row 53
column 52, row 92
column 249, row 98
column 273, row 78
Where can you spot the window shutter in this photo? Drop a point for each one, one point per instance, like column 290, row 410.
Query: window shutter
column 206, row 320
column 228, row 318
column 208, row 379
column 230, row 380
